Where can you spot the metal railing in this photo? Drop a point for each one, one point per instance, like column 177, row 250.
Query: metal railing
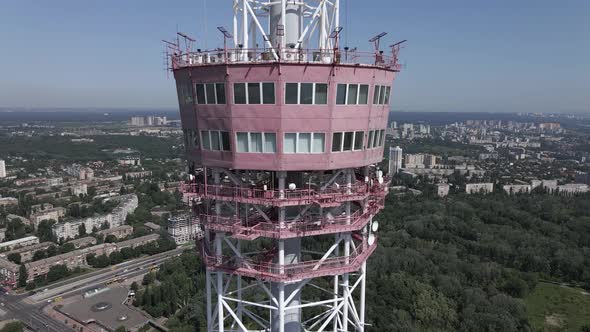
column 250, row 267
column 285, row 55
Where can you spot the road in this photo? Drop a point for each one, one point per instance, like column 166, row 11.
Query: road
column 28, row 309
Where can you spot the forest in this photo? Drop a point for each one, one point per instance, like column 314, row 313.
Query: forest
column 465, row 263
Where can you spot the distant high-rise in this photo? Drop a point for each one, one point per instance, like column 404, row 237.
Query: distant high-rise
column 2, row 169
column 395, row 160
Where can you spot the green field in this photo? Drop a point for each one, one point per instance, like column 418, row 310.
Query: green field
column 558, row 308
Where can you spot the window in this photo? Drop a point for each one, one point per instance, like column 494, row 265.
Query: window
column 306, row 93
column 382, row 138
column 376, row 94
column 242, row 142
column 239, row 93
column 205, row 140
column 358, row 140
column 185, row 95
column 210, row 93
column 337, row 142
column 348, row 136
column 370, row 140
column 290, row 143
column 254, row 93
column 200, row 88
column 321, row 94
column 256, row 142
column 291, row 93
column 387, row 94
column 382, row 95
column 215, row 140
column 304, row 143
column 220, row 91
column 363, row 94
column 352, row 94
column 341, row 94
column 270, row 142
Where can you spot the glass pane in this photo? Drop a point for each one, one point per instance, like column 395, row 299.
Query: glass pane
column 195, row 135
column 382, row 95
column 268, row 93
column 341, row 94
column 370, row 140
column 321, row 94
column 239, row 93
column 347, row 141
column 255, row 142
column 210, row 89
column 291, row 93
column 307, row 93
column 215, row 143
column 382, row 138
column 376, row 94
column 304, row 144
column 205, row 140
column 225, row 140
column 363, row 94
column 242, row 142
column 336, row 142
column 270, row 142
column 387, row 93
column 319, row 141
column 290, row 143
column 253, row 93
column 200, row 93
column 358, row 140
column 220, row 93
column 352, row 94
column 375, row 139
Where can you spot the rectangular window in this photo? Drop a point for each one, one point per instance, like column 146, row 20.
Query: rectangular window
column 387, row 94
column 321, row 94
column 304, row 143
column 215, row 142
column 268, row 93
column 291, row 93
column 382, row 138
column 290, row 143
column 239, row 93
column 375, row 139
column 376, row 94
column 370, row 140
column 306, row 93
column 337, row 142
column 205, row 140
column 242, row 142
column 253, row 93
column 341, row 94
column 348, row 137
column 363, row 94
column 270, row 142
column 220, row 90
column 352, row 94
column 256, row 142
column 225, row 145
column 382, row 95
column 358, row 140
column 319, row 141
column 200, row 89
column 210, row 93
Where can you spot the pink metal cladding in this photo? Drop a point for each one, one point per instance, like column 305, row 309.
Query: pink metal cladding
column 298, row 271
column 306, row 227
column 329, row 197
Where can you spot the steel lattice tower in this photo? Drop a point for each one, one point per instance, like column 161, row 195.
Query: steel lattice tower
column 283, row 143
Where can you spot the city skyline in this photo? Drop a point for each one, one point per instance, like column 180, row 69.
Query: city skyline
column 461, row 56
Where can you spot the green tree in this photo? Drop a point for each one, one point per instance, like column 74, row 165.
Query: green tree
column 14, row 257
column 13, row 327
column 57, row 272
column 44, row 231
column 82, row 230
column 22, row 276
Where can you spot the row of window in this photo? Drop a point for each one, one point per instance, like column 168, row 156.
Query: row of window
column 256, row 142
column 295, row 93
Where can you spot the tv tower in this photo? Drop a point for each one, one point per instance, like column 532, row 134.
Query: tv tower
column 284, row 131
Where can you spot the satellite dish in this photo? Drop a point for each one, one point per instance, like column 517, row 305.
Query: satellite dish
column 292, row 186
column 375, row 226
column 371, row 239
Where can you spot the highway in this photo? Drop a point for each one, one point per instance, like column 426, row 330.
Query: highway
column 28, row 309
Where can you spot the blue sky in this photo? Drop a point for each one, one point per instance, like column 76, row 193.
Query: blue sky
column 462, row 55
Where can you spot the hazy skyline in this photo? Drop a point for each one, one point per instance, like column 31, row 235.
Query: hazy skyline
column 461, row 56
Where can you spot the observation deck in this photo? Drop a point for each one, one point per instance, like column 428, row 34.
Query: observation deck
column 329, row 197
column 248, row 267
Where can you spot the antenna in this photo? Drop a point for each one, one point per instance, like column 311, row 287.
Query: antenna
column 226, row 35
column 395, row 48
column 377, row 39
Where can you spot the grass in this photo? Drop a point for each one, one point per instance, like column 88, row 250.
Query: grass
column 553, row 307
